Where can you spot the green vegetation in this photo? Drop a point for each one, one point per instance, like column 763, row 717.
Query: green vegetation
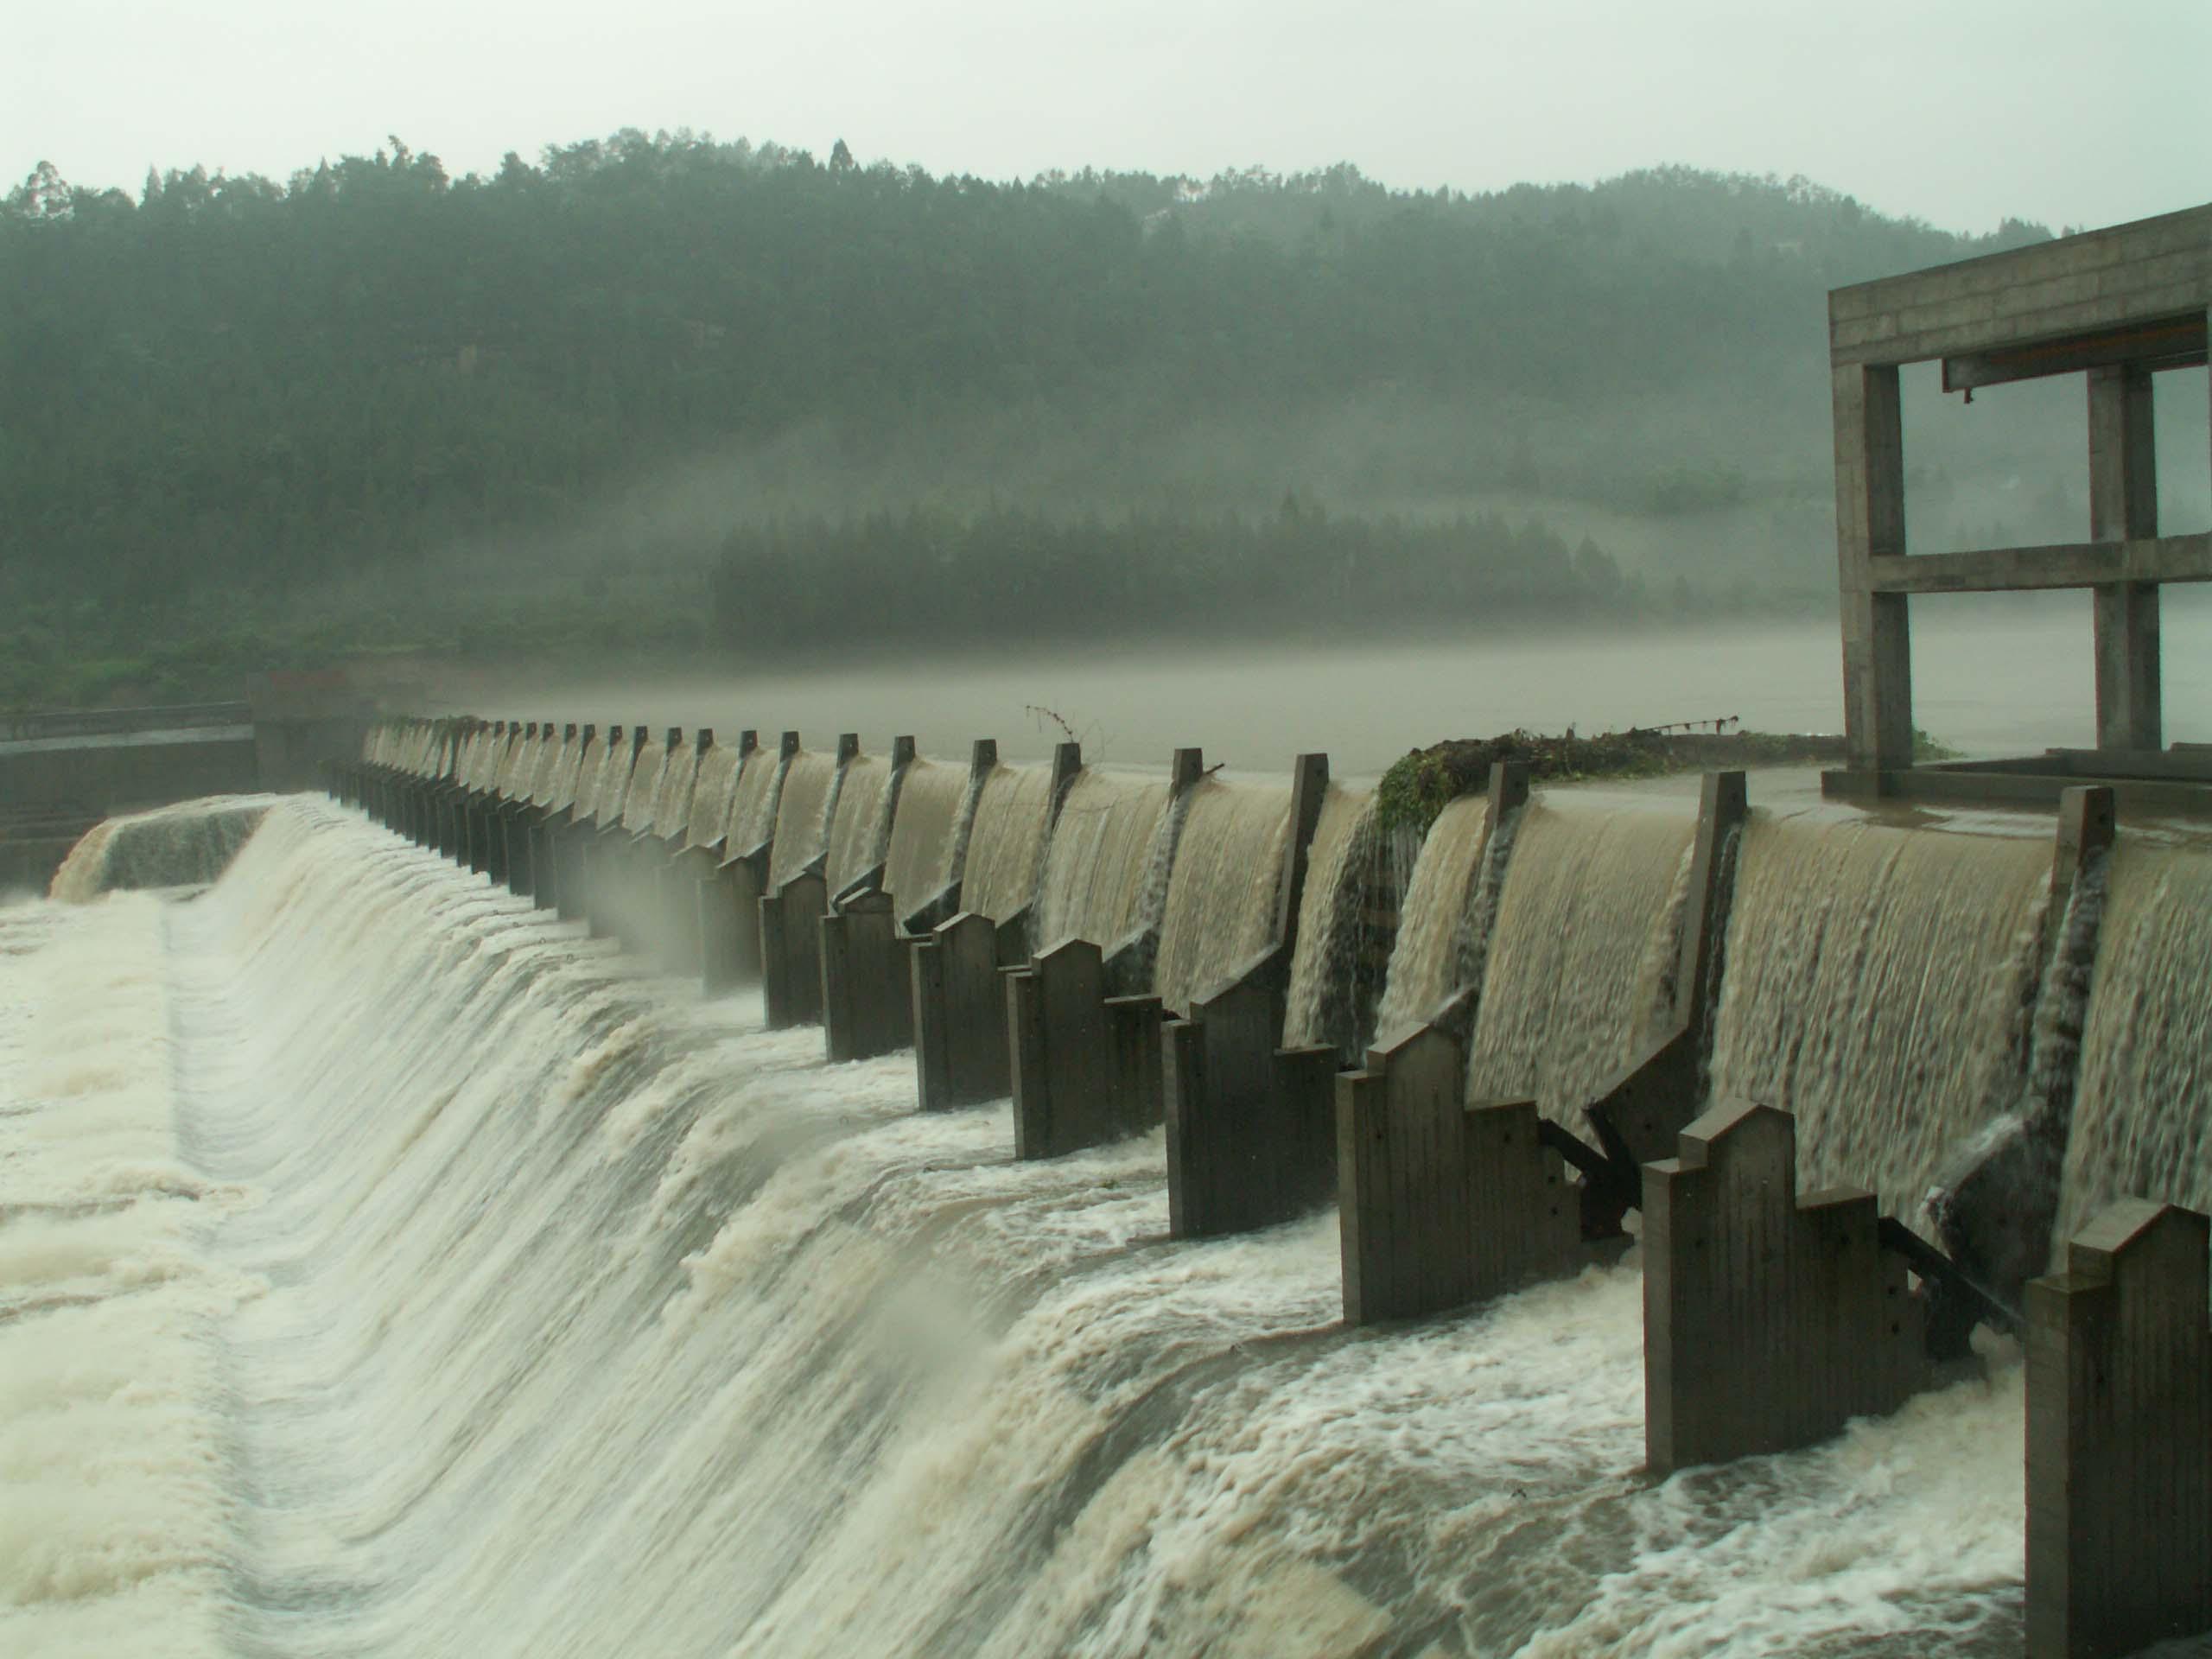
column 376, row 407
column 1421, row 782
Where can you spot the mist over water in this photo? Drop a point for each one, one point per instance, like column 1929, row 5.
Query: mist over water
column 2001, row 675
column 444, row 1284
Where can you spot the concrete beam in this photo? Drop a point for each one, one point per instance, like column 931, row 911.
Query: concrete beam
column 2150, row 271
column 2169, row 343
column 2119, row 1438
column 2062, row 564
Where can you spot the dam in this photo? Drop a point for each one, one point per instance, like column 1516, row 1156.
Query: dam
column 559, row 1188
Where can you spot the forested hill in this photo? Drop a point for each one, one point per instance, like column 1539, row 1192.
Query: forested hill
column 229, row 391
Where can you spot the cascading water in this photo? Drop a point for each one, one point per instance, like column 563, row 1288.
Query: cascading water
column 1587, row 917
column 455, row 1292
column 1006, row 847
column 1878, row 984
column 1094, row 885
column 1222, row 891
column 169, row 846
column 930, row 799
column 711, row 794
column 641, row 795
column 754, row 803
column 2141, row 1125
column 855, row 840
column 1432, row 919
column 1322, row 1004
column 809, row 783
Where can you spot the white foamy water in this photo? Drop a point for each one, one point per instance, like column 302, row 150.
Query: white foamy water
column 395, row 1272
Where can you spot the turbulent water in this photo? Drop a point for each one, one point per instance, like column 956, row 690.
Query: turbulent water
column 1107, row 842
column 1878, row 985
column 1587, row 920
column 391, row 1271
column 1222, row 889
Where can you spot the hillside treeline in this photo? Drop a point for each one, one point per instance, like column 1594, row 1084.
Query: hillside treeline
column 222, row 395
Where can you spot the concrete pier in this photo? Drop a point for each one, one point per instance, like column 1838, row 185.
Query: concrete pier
column 868, row 984
column 729, row 902
column 791, row 917
column 1085, row 1065
column 962, row 1046
column 1440, row 1204
column 1769, row 1320
column 2119, row 1437
column 1251, row 1126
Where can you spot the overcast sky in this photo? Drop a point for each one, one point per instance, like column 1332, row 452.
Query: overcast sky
column 1961, row 112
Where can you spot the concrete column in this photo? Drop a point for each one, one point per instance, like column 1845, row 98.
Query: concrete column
column 2124, row 506
column 1769, row 1322
column 1869, row 522
column 2119, row 1437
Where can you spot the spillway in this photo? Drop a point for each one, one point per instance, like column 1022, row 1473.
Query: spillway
column 1878, row 984
column 1588, row 921
column 394, row 1271
column 1434, row 921
column 802, row 814
column 1220, row 910
column 2146, row 1067
column 1006, row 845
column 1108, row 854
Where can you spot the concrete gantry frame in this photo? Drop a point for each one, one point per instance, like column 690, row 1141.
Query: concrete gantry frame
column 2118, row 305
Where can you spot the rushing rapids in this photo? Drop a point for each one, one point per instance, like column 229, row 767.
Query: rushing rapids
column 412, row 1277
